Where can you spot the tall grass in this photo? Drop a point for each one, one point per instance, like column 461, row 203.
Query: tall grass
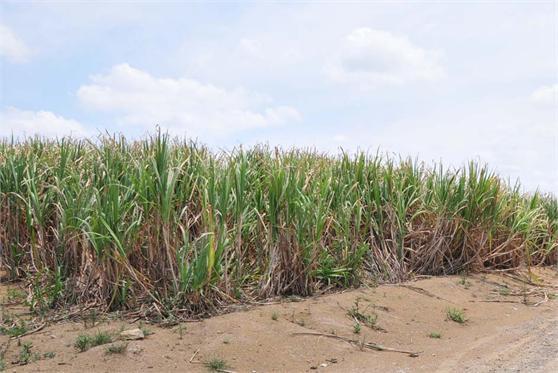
column 174, row 225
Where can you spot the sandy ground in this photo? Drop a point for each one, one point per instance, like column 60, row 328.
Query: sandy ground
column 501, row 334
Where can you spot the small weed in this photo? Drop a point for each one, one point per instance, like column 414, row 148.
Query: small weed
column 464, row 282
column 216, row 365
column 101, row 338
column 357, row 328
column 2, row 364
column 25, row 355
column 85, row 342
column 82, row 343
column 504, row 291
column 181, row 329
column 435, row 335
column 368, row 319
column 49, row 355
column 15, row 330
column 117, row 348
column 274, row 316
column 457, row 315
column 146, row 331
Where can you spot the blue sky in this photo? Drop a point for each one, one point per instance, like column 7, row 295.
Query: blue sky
column 449, row 81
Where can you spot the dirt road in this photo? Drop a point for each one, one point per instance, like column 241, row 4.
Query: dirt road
column 509, row 327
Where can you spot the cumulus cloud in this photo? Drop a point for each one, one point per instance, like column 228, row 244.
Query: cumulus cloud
column 11, row 47
column 371, row 57
column 181, row 106
column 21, row 123
column 546, row 95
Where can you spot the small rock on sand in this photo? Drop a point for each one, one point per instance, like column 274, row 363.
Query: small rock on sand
column 132, row 334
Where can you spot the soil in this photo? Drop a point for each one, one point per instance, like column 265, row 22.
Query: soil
column 504, row 331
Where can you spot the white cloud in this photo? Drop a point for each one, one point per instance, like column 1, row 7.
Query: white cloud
column 181, row 106
column 516, row 140
column 12, row 47
column 371, row 57
column 546, row 95
column 21, row 123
